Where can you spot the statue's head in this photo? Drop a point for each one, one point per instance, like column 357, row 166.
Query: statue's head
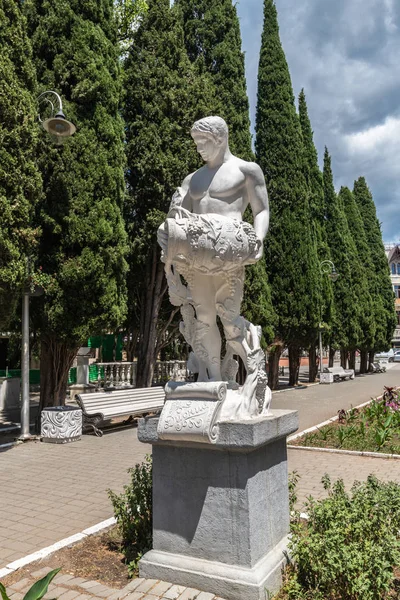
column 210, row 135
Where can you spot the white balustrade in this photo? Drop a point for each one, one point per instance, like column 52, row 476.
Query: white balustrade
column 123, row 374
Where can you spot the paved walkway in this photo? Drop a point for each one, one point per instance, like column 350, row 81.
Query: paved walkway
column 68, row 587
column 49, row 492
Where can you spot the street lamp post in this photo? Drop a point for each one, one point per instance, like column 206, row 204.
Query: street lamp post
column 327, row 268
column 58, row 126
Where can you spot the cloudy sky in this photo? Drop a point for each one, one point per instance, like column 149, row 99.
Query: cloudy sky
column 346, row 55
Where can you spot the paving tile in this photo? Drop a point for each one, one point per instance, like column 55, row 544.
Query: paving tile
column 135, row 596
column 69, row 595
column 54, row 592
column 205, row 596
column 20, row 585
column 160, row 588
column 77, row 581
column 189, row 594
column 146, row 585
column 107, row 593
column 16, row 596
column 60, row 578
column 89, row 585
column 174, row 592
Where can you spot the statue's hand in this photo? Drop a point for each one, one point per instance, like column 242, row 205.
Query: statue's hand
column 162, row 238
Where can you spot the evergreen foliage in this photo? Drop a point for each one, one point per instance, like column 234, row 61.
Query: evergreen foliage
column 84, row 241
column 350, row 328
column 20, row 182
column 164, row 96
column 291, row 253
column 213, row 43
column 317, row 213
column 380, row 283
column 360, row 274
column 372, row 302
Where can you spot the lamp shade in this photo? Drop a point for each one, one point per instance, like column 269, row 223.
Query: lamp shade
column 59, row 126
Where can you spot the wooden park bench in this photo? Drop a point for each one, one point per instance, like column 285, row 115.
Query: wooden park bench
column 99, row 408
column 340, row 373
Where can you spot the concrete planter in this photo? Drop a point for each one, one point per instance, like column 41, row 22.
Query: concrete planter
column 61, row 424
column 326, row 378
column 10, row 406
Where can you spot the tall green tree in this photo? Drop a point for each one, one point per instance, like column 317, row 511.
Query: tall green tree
column 20, row 182
column 352, row 315
column 317, row 213
column 372, row 301
column 291, row 253
column 381, row 287
column 360, row 274
column 84, row 242
column 164, row 96
column 213, row 43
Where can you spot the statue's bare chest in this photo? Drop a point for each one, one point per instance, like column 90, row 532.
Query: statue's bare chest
column 227, row 182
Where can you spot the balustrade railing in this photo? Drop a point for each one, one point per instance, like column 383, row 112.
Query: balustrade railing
column 123, row 374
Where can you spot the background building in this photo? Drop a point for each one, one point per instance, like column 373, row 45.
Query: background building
column 393, row 254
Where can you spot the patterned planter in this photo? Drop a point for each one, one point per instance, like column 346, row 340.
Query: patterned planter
column 326, row 378
column 61, row 424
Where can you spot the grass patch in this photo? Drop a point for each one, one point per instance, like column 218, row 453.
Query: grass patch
column 374, row 428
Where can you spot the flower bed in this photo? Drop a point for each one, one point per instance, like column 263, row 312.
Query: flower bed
column 374, row 428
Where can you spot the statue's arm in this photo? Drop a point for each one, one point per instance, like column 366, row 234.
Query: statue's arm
column 185, row 193
column 258, row 198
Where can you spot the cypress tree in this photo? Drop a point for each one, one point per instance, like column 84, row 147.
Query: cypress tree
column 20, row 182
column 360, row 276
column 291, row 254
column 373, row 302
column 381, row 287
column 84, row 241
column 316, row 185
column 347, row 333
column 164, row 96
column 213, row 43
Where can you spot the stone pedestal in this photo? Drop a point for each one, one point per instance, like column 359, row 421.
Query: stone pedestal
column 10, row 405
column 61, row 424
column 221, row 511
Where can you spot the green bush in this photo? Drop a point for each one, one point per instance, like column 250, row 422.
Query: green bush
column 348, row 547
column 133, row 512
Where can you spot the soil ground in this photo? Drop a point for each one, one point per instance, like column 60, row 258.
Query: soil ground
column 97, row 557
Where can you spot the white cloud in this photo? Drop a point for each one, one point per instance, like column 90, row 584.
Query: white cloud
column 385, row 137
column 345, row 53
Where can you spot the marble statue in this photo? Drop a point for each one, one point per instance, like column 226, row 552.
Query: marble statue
column 205, row 247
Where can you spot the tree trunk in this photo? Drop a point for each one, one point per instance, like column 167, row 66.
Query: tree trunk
column 363, row 361
column 312, row 362
column 273, row 367
column 150, row 308
column 56, row 359
column 294, row 365
column 371, row 355
column 332, row 353
column 343, row 358
column 352, row 360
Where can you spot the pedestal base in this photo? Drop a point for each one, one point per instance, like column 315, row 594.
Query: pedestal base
column 227, row 581
column 221, row 510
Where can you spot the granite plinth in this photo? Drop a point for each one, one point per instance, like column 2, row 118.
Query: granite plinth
column 221, row 511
